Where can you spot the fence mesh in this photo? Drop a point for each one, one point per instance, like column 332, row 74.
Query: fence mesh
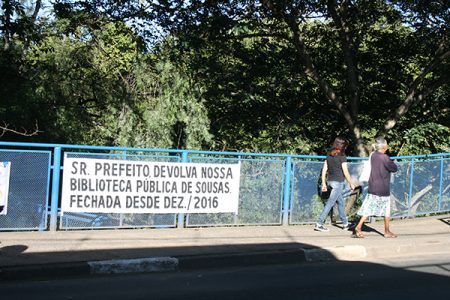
column 260, row 194
column 421, row 186
column 445, row 186
column 425, row 188
column 28, row 190
column 306, row 203
column 72, row 220
column 400, row 187
column 307, row 200
column 416, row 187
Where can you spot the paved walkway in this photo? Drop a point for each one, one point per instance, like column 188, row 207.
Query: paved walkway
column 209, row 247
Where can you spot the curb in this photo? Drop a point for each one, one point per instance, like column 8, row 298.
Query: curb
column 139, row 265
column 349, row 252
column 184, row 263
column 160, row 264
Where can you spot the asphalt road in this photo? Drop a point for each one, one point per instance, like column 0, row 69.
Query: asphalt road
column 418, row 278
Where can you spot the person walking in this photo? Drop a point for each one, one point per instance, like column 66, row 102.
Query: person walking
column 378, row 200
column 335, row 165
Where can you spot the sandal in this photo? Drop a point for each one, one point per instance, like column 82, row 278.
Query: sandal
column 390, row 235
column 358, row 234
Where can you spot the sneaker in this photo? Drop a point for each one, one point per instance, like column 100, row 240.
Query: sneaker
column 347, row 226
column 321, row 228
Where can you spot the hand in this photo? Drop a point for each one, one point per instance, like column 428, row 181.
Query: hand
column 352, row 186
column 324, row 188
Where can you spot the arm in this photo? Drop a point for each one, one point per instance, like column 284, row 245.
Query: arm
column 324, row 176
column 347, row 175
column 390, row 165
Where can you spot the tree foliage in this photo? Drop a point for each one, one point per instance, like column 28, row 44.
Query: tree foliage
column 88, row 79
column 352, row 57
column 265, row 76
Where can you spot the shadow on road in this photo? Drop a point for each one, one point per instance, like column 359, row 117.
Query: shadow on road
column 13, row 250
column 17, row 264
column 254, row 271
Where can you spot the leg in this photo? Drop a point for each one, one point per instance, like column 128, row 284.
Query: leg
column 333, row 214
column 364, row 193
column 330, row 203
column 341, row 209
column 364, row 211
column 387, row 232
column 386, row 224
column 358, row 228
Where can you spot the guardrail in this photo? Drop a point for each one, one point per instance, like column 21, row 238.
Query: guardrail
column 276, row 189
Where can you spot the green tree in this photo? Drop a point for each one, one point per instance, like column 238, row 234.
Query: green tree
column 360, row 55
column 87, row 79
column 166, row 110
column 272, row 76
column 77, row 78
column 19, row 23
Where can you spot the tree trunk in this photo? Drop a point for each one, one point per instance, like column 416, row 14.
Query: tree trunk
column 350, row 115
column 414, row 95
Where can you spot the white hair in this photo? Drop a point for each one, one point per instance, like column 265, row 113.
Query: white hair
column 380, row 142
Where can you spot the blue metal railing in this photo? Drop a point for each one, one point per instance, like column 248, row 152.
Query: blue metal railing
column 298, row 204
column 55, row 188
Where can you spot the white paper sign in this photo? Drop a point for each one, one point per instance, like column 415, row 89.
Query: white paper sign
column 121, row 186
column 5, row 168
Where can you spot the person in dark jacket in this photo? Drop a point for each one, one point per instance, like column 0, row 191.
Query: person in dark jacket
column 378, row 200
column 336, row 167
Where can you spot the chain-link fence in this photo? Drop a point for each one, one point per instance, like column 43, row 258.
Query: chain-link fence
column 28, row 190
column 71, row 220
column 275, row 189
column 260, row 193
column 420, row 186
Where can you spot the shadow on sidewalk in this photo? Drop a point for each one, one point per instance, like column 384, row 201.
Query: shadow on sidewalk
column 366, row 228
column 445, row 221
column 17, row 256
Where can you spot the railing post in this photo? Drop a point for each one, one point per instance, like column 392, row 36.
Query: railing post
column 410, row 187
column 236, row 215
column 124, row 155
column 184, row 158
column 441, row 179
column 287, row 191
column 55, row 188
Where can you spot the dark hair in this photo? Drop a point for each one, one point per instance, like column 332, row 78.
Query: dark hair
column 338, row 147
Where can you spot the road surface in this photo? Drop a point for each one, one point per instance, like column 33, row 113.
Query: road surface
column 418, row 278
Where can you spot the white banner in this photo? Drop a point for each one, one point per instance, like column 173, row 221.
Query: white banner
column 121, row 186
column 5, row 168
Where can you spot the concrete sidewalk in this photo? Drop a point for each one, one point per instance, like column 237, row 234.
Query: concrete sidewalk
column 35, row 254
